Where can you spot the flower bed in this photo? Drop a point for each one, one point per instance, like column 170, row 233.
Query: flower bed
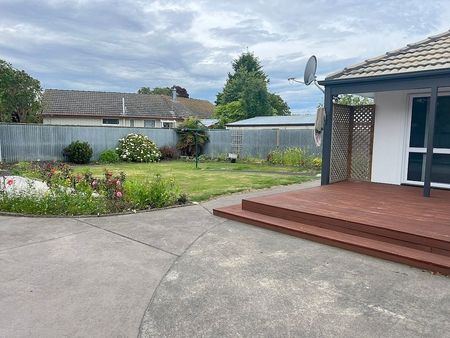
column 59, row 191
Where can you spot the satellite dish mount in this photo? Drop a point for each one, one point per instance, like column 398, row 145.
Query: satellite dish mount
column 309, row 75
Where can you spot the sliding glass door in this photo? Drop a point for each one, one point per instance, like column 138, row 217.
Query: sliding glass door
column 440, row 170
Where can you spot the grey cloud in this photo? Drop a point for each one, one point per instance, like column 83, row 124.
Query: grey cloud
column 123, row 45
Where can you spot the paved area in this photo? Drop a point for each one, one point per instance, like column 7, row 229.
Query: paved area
column 186, row 273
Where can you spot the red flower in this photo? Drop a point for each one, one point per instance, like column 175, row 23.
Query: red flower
column 10, row 181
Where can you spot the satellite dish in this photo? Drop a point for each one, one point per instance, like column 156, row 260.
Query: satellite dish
column 310, row 70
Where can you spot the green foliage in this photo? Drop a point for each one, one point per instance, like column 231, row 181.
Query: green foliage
column 109, row 156
column 78, row 152
column 279, row 106
column 168, row 153
column 138, row 148
column 60, row 202
column 248, row 86
column 353, row 100
column 230, row 112
column 186, row 138
column 181, row 92
column 294, row 156
column 20, row 95
column 157, row 193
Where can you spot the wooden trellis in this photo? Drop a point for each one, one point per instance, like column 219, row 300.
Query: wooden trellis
column 352, row 142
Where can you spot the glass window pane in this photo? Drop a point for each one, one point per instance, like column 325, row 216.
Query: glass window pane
column 442, row 123
column 149, row 123
column 415, row 165
column 440, row 170
column 418, row 122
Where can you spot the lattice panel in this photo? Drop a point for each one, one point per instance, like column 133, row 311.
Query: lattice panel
column 236, row 141
column 362, row 141
column 340, row 141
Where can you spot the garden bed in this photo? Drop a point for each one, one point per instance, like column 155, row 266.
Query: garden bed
column 144, row 186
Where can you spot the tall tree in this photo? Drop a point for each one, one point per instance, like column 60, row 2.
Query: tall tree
column 248, row 86
column 181, row 92
column 279, row 106
column 20, row 95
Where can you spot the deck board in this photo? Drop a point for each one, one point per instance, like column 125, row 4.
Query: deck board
column 400, row 208
column 386, row 221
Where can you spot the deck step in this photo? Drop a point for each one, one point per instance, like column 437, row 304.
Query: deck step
column 369, row 229
column 369, row 246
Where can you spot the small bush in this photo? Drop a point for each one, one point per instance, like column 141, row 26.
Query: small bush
column 108, row 156
column 138, row 148
column 168, row 153
column 291, row 156
column 78, row 152
column 158, row 193
column 317, row 162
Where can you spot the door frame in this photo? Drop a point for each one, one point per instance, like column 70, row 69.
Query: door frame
column 408, row 149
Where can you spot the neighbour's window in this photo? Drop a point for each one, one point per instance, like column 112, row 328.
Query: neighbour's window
column 168, row 125
column 110, row 121
column 149, row 123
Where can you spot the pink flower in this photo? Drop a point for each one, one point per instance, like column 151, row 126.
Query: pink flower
column 118, row 183
column 10, row 181
column 94, row 183
column 119, row 194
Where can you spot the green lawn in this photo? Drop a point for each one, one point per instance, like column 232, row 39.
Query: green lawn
column 212, row 178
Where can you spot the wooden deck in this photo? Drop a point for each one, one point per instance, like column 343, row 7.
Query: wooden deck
column 386, row 221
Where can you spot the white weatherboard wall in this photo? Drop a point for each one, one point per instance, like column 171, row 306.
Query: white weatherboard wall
column 391, row 112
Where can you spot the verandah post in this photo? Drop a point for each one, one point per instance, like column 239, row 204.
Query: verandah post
column 430, row 142
column 326, row 145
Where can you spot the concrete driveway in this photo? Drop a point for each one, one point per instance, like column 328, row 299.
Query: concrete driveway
column 183, row 273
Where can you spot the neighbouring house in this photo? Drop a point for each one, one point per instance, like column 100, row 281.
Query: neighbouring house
column 405, row 137
column 300, row 121
column 92, row 108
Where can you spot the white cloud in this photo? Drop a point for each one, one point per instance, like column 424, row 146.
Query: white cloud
column 123, row 45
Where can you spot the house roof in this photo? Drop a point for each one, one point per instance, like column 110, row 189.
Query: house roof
column 292, row 120
column 109, row 104
column 432, row 53
column 209, row 122
column 202, row 109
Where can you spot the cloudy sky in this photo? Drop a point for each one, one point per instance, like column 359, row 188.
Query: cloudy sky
column 124, row 45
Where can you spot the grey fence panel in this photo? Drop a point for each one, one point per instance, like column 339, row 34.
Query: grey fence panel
column 299, row 138
column 258, row 143
column 27, row 142
column 219, row 143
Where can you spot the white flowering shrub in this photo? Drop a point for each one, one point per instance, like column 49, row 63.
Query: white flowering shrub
column 138, row 148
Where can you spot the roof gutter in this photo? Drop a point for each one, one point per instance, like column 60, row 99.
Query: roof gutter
column 418, row 74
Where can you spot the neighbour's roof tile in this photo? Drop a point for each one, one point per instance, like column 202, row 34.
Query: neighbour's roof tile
column 109, row 104
column 432, row 53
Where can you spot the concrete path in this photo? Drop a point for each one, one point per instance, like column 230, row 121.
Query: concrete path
column 185, row 273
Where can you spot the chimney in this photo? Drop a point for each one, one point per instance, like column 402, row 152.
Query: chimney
column 123, row 106
column 174, row 94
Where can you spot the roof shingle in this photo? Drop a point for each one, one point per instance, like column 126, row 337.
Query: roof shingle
column 432, row 53
column 109, row 104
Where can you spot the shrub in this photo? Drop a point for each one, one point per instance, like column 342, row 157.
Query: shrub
column 317, row 162
column 291, row 156
column 108, row 156
column 158, row 193
column 186, row 137
column 168, row 153
column 138, row 148
column 78, row 152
